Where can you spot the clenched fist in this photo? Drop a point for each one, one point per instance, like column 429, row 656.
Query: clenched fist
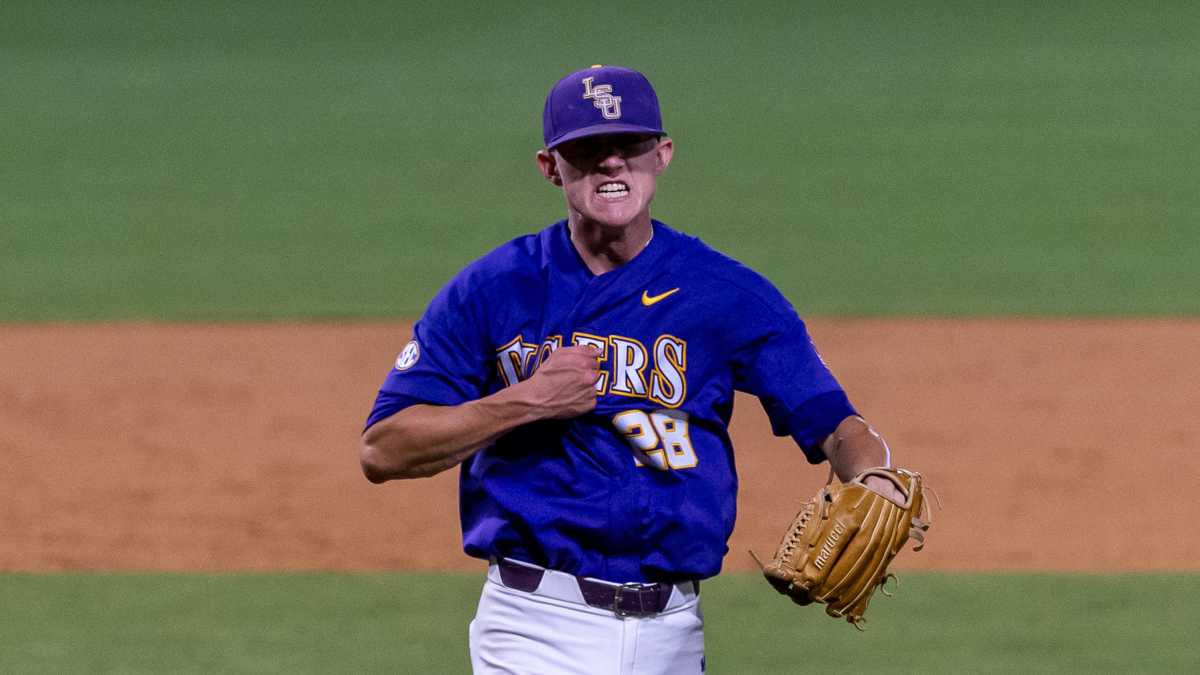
column 564, row 385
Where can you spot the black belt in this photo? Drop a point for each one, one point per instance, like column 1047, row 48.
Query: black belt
column 634, row 599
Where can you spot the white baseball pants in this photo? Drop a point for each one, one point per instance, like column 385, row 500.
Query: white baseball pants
column 552, row 631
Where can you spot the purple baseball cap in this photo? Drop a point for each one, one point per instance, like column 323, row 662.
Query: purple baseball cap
column 600, row 100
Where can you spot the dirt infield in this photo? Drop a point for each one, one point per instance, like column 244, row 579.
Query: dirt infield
column 1055, row 445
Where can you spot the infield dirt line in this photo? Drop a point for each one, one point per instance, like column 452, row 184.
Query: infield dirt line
column 1054, row 445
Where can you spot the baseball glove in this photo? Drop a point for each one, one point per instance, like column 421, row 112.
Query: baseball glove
column 838, row 548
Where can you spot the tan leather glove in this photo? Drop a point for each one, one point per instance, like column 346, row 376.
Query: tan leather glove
column 838, row 548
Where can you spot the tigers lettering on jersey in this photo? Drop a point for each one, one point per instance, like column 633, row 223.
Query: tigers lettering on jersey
column 668, row 385
column 627, row 368
column 549, row 346
column 629, row 362
column 512, row 360
column 601, row 344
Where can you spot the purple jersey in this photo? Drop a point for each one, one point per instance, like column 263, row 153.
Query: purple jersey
column 643, row 488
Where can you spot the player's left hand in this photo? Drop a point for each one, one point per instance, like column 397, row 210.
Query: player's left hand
column 885, row 488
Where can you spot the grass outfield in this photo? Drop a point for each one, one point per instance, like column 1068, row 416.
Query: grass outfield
column 322, row 623
column 272, row 158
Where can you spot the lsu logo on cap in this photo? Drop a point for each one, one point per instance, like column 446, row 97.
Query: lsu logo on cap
column 602, row 97
column 409, row 356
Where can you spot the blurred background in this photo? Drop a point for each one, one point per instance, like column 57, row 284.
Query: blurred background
column 218, row 220
column 208, row 160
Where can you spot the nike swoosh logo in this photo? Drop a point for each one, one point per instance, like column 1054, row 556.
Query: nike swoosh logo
column 648, row 299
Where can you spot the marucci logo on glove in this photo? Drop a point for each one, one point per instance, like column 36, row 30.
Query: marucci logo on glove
column 827, row 548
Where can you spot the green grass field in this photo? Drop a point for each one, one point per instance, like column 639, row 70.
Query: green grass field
column 213, row 160
column 416, row 623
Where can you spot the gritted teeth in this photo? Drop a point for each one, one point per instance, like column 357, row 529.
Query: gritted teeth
column 613, row 189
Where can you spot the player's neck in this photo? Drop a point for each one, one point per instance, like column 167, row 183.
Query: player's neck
column 604, row 249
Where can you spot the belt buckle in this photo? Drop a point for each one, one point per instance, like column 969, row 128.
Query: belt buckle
column 634, row 587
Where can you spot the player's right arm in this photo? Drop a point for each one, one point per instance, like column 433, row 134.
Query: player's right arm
column 423, row 440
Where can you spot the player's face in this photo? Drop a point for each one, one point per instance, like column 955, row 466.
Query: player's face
column 608, row 180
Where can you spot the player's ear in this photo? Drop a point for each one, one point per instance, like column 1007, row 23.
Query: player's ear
column 548, row 165
column 663, row 153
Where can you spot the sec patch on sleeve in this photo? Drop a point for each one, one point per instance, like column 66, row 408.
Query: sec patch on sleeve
column 408, row 356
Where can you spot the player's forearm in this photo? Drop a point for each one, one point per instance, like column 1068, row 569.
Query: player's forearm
column 424, row 440
column 855, row 447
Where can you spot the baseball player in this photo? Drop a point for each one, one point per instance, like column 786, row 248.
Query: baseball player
column 583, row 377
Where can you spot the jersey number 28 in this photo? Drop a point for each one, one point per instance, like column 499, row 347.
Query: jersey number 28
column 658, row 438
